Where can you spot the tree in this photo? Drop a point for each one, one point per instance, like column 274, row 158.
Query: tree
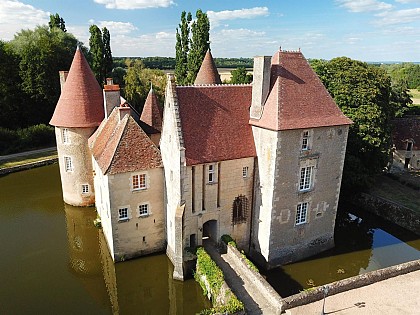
column 240, row 75
column 42, row 54
column 363, row 93
column 97, row 53
column 107, row 62
column 57, row 21
column 137, row 84
column 200, row 43
column 182, row 48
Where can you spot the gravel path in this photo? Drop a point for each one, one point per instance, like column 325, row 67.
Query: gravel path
column 11, row 156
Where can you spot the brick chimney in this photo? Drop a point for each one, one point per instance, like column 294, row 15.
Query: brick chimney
column 111, row 96
column 260, row 85
column 124, row 109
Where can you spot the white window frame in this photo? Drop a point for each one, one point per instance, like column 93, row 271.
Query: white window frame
column 65, row 136
column 143, row 210
column 121, row 210
column 245, row 171
column 85, row 188
column 211, row 171
column 301, row 213
column 137, row 183
column 306, row 178
column 305, row 144
column 68, row 164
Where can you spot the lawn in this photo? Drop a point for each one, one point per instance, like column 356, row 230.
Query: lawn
column 28, row 159
column 415, row 96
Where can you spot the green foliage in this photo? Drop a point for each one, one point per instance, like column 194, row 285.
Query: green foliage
column 33, row 137
column 182, row 48
column 96, row 53
column 406, row 74
column 227, row 239
column 363, row 92
column 137, row 84
column 234, row 62
column 240, row 75
column 107, row 58
column 57, row 21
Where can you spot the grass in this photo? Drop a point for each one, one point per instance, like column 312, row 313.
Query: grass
column 21, row 160
column 394, row 190
column 415, row 96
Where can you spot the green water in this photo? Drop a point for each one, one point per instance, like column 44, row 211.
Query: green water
column 54, row 261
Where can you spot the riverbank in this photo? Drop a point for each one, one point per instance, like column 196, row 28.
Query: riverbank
column 26, row 160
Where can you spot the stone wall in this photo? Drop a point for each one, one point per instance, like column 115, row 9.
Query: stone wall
column 27, row 166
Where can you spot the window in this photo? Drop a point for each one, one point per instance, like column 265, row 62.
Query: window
column 305, row 181
column 122, row 214
column 85, row 188
column 239, row 209
column 144, row 209
column 68, row 164
column 301, row 211
column 245, row 171
column 211, row 174
column 65, row 135
column 305, row 140
column 139, row 181
column 409, row 145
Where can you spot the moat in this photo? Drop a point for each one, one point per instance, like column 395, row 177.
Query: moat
column 55, row 261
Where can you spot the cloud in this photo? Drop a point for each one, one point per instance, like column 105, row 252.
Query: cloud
column 134, row 4
column 398, row 17
column 408, row 1
column 216, row 17
column 116, row 28
column 364, row 5
column 154, row 44
column 15, row 16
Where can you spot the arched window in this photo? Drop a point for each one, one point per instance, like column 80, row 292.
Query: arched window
column 239, row 209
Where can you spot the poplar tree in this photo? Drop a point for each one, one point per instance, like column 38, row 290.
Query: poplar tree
column 57, row 21
column 200, row 43
column 97, row 53
column 182, row 48
column 107, row 57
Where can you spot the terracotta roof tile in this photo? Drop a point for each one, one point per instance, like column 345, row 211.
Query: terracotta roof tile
column 406, row 128
column 152, row 112
column 208, row 72
column 81, row 100
column 122, row 146
column 297, row 97
column 214, row 122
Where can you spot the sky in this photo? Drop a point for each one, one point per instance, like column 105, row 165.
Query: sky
column 367, row 30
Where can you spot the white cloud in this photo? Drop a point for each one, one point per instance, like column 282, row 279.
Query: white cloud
column 216, row 17
column 134, row 4
column 364, row 5
column 15, row 15
column 408, row 1
column 116, row 28
column 398, row 17
column 154, row 44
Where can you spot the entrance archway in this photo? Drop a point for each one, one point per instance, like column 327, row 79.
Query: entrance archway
column 210, row 230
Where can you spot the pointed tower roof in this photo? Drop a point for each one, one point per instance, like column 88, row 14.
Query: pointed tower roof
column 81, row 100
column 152, row 112
column 208, row 72
column 297, row 97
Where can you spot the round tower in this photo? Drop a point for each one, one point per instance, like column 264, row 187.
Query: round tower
column 78, row 113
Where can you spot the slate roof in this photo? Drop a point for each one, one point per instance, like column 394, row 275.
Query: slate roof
column 81, row 100
column 120, row 145
column 208, row 73
column 214, row 122
column 297, row 97
column 406, row 128
column 152, row 112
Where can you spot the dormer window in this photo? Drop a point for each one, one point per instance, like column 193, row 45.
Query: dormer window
column 305, row 140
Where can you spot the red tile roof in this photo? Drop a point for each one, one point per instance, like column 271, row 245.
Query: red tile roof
column 152, row 112
column 81, row 100
column 120, row 146
column 297, row 97
column 406, row 128
column 208, row 72
column 214, row 122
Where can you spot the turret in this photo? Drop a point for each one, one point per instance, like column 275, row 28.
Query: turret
column 78, row 113
column 208, row 73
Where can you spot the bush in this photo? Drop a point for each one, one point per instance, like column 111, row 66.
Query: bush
column 8, row 138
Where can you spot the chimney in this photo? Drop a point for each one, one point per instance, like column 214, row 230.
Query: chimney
column 111, row 96
column 260, row 85
column 63, row 77
column 124, row 109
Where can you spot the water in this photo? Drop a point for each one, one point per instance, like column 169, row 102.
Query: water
column 54, row 261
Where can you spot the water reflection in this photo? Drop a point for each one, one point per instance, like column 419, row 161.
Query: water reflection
column 363, row 243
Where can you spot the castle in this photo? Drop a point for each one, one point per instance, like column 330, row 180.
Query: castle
column 261, row 162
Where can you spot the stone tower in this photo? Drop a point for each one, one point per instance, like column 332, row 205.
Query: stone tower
column 78, row 113
column 300, row 138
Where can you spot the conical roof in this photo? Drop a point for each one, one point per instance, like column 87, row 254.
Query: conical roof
column 208, row 72
column 152, row 113
column 81, row 100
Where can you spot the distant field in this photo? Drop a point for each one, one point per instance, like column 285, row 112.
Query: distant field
column 415, row 96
